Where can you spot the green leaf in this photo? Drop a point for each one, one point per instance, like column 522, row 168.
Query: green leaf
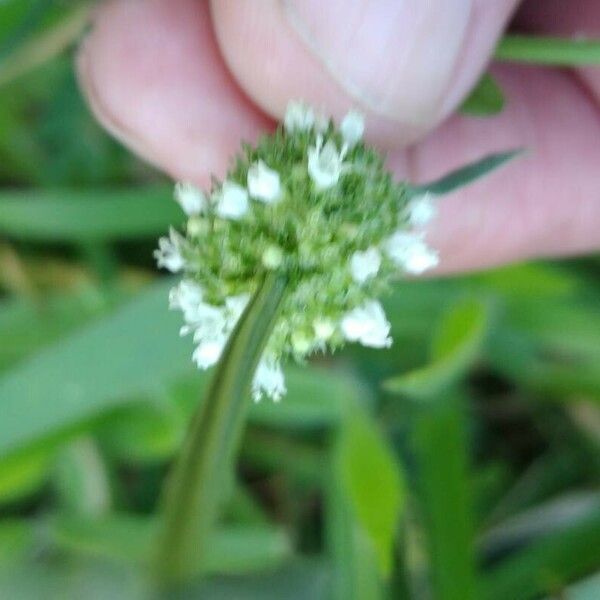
column 233, row 549
column 81, row 479
column 128, row 354
column 588, row 589
column 17, row 540
column 485, row 99
column 146, row 432
column 195, row 488
column 356, row 573
column 440, row 450
column 372, row 480
column 465, row 175
column 28, row 324
column 24, row 473
column 85, row 215
column 546, row 566
column 456, row 346
column 559, row 52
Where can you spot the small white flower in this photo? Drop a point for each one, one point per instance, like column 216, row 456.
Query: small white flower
column 268, row 380
column 368, row 325
column 352, row 128
column 187, row 297
column 168, row 254
column 421, row 210
column 207, row 322
column 190, row 198
column 232, row 202
column 324, row 329
column 298, row 117
column 264, row 183
column 208, row 352
column 364, row 265
column 325, row 164
column 410, row 252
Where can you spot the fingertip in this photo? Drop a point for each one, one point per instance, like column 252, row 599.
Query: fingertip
column 153, row 76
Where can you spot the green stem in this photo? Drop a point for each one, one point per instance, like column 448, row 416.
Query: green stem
column 560, row 52
column 194, row 490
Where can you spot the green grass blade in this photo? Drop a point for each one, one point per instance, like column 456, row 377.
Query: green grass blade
column 373, row 484
column 440, row 451
column 465, row 175
column 127, row 355
column 485, row 100
column 546, row 566
column 43, row 46
column 127, row 538
column 87, row 215
column 554, row 51
column 195, row 487
column 355, row 573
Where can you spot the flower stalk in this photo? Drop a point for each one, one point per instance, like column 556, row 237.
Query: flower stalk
column 195, row 488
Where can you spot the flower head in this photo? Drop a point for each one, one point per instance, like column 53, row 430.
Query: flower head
column 311, row 203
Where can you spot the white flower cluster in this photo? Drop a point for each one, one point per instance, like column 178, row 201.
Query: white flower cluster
column 211, row 326
column 326, row 156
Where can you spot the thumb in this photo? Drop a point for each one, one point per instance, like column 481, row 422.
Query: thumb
column 406, row 63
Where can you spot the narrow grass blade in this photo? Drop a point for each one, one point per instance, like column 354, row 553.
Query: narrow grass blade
column 560, row 52
column 465, row 175
column 440, row 451
column 195, row 488
column 65, row 215
column 546, row 566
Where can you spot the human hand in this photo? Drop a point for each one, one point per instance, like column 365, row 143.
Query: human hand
column 181, row 83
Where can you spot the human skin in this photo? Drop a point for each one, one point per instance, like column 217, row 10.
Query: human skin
column 181, row 82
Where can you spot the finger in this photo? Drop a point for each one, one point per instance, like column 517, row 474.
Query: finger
column 545, row 204
column 407, row 64
column 154, row 78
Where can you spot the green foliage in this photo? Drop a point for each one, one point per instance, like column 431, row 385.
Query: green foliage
column 454, row 349
column 93, row 215
column 372, row 481
column 486, row 98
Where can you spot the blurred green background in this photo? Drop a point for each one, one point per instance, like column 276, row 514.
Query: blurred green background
column 462, row 463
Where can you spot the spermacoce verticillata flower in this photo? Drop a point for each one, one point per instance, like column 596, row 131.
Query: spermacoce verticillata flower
column 313, row 202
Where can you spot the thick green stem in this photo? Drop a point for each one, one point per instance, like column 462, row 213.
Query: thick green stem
column 195, row 488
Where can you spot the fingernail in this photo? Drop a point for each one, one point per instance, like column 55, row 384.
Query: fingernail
column 395, row 57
